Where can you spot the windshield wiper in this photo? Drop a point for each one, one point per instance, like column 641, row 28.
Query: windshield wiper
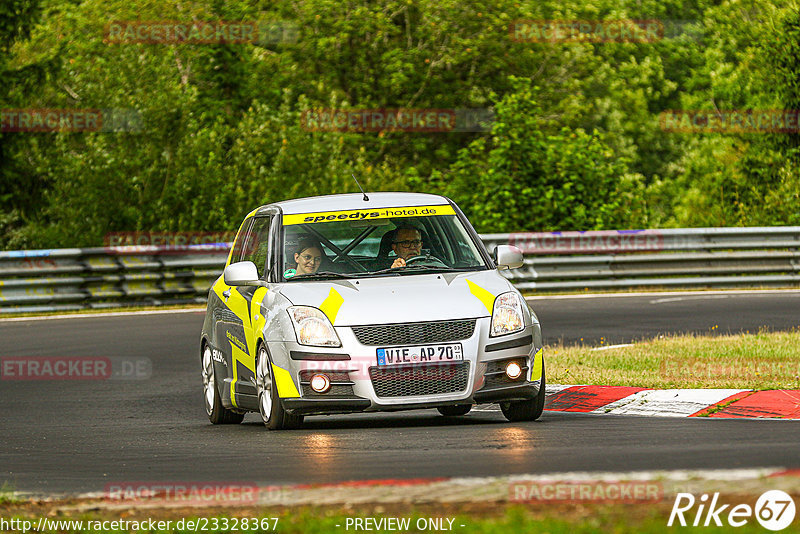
column 381, row 271
column 320, row 274
column 444, row 268
column 401, row 270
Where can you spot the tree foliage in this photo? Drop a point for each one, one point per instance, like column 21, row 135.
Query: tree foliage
column 575, row 143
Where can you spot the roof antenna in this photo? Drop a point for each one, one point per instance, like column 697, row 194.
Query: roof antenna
column 366, row 198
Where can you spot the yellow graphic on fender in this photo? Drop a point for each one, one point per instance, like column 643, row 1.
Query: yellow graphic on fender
column 481, row 294
column 330, row 306
column 538, row 366
column 284, row 383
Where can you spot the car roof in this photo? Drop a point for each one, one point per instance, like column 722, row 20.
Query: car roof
column 355, row 201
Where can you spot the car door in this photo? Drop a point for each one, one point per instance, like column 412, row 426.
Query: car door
column 235, row 334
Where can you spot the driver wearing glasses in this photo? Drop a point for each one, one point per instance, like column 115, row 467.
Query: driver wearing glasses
column 407, row 243
column 307, row 256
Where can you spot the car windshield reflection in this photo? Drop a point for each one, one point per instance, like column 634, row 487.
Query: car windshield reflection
column 363, row 248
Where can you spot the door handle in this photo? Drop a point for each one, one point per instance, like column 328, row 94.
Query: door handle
column 226, row 294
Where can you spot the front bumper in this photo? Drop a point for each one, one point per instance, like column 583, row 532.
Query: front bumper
column 329, row 406
column 355, row 391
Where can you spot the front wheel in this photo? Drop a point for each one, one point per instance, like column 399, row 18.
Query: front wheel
column 453, row 411
column 527, row 410
column 269, row 403
column 217, row 413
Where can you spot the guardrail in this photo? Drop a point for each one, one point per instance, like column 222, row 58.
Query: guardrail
column 106, row 277
column 685, row 258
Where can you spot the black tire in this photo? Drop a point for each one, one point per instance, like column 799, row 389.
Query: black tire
column 217, row 413
column 272, row 413
column 527, row 410
column 453, row 411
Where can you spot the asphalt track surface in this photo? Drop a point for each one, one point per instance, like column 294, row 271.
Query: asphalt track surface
column 624, row 319
column 79, row 436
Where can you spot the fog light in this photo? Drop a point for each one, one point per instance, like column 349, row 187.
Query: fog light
column 320, row 383
column 513, row 370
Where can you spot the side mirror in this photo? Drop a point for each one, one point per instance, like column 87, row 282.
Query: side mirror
column 242, row 273
column 508, row 257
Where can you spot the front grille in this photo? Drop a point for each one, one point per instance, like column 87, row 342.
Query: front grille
column 408, row 381
column 415, row 333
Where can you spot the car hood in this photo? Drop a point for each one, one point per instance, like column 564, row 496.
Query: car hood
column 400, row 299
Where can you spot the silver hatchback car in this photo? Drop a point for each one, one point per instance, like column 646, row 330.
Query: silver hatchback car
column 379, row 302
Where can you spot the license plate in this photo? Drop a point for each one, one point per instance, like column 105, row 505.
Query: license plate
column 420, row 354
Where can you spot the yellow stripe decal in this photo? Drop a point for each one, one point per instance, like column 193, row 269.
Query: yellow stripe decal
column 369, row 214
column 284, row 383
column 220, row 286
column 237, row 355
column 482, row 295
column 258, row 320
column 330, row 306
column 536, row 368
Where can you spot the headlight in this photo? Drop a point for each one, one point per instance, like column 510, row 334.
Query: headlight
column 312, row 327
column 507, row 315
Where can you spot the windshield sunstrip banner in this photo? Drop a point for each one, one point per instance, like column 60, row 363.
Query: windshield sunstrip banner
column 368, row 214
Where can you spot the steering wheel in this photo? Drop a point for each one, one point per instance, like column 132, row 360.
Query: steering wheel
column 425, row 257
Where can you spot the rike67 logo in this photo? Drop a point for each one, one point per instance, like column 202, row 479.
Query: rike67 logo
column 774, row 510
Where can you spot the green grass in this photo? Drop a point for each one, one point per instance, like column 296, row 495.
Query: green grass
column 7, row 494
column 581, row 519
column 593, row 518
column 762, row 360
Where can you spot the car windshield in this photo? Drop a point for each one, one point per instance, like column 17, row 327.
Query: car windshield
column 377, row 242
